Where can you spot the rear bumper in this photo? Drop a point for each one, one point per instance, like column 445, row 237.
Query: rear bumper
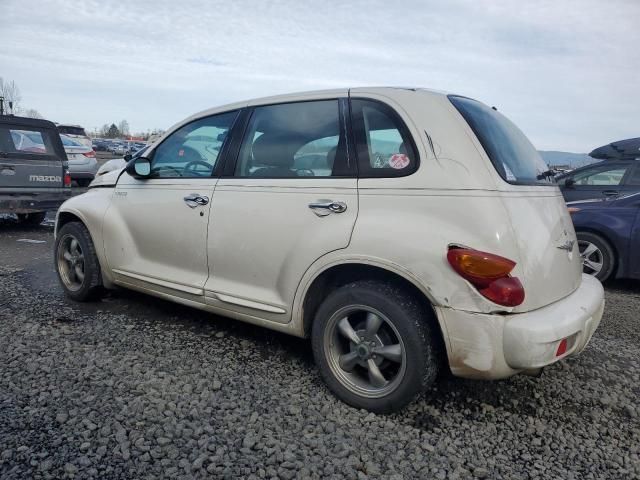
column 33, row 202
column 498, row 346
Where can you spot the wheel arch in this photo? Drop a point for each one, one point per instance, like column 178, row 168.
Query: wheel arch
column 67, row 216
column 334, row 275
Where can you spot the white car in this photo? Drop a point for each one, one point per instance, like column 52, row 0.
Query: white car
column 82, row 161
column 400, row 229
column 75, row 133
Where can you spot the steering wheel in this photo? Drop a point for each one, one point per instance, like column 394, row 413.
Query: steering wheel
column 194, row 163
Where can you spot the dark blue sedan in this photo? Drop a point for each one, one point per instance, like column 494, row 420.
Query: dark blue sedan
column 608, row 233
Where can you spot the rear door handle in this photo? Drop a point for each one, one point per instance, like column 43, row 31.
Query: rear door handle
column 195, row 199
column 322, row 208
column 610, row 193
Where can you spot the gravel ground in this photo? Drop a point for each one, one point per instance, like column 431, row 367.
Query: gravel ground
column 135, row 387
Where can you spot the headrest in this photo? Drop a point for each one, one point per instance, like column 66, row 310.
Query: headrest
column 274, row 151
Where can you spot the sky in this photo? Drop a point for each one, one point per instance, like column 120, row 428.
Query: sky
column 566, row 72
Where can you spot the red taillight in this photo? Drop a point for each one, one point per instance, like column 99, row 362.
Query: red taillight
column 562, row 348
column 67, row 179
column 489, row 273
column 91, row 154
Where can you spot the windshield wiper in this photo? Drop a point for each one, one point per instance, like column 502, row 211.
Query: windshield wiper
column 546, row 174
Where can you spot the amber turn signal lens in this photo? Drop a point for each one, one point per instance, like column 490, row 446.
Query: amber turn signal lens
column 489, row 273
column 480, row 268
column 573, row 210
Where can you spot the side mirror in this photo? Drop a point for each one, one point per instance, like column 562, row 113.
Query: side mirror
column 569, row 182
column 139, row 168
column 128, row 157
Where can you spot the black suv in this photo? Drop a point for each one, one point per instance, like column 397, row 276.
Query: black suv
column 609, row 178
column 33, row 168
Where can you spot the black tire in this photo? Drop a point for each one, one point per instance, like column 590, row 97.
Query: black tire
column 32, row 219
column 410, row 324
column 604, row 251
column 89, row 287
column 84, row 182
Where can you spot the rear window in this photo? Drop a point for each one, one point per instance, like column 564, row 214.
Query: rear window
column 71, row 130
column 25, row 140
column 512, row 154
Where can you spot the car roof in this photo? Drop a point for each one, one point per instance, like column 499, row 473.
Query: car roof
column 300, row 97
column 26, row 122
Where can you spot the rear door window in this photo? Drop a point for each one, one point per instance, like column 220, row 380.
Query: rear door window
column 512, row 154
column 294, row 140
column 601, row 176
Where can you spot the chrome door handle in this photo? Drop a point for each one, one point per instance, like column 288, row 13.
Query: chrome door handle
column 195, row 199
column 322, row 208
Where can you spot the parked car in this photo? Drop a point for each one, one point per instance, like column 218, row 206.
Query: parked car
column 33, row 169
column 608, row 232
column 118, row 148
column 100, row 145
column 608, row 178
column 76, row 133
column 428, row 234
column 82, row 161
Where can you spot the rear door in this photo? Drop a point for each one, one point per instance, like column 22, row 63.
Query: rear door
column 31, row 157
column 606, row 179
column 290, row 198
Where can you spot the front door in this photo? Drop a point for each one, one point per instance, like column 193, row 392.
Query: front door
column 290, row 198
column 155, row 231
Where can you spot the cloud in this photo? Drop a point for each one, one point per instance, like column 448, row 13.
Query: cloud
column 565, row 72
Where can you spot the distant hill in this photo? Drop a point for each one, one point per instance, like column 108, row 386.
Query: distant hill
column 573, row 160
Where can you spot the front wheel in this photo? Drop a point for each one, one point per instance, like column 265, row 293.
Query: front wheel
column 374, row 346
column 598, row 257
column 77, row 263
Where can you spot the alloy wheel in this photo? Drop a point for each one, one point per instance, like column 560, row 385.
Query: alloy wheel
column 71, row 262
column 592, row 257
column 365, row 351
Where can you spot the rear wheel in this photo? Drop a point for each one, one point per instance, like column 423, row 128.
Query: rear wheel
column 598, row 257
column 32, row 219
column 77, row 263
column 374, row 346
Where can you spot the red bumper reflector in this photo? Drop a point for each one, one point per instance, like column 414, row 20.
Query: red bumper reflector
column 562, row 348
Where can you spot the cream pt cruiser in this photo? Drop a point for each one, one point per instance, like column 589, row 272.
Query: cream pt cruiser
column 402, row 230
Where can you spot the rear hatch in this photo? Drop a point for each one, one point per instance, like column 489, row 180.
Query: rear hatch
column 31, row 155
column 77, row 154
column 549, row 264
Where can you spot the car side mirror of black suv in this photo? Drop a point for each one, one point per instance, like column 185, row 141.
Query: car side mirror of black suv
column 569, row 182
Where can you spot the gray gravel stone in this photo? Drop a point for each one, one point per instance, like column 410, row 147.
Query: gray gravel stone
column 140, row 388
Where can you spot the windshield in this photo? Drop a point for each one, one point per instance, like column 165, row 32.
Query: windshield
column 512, row 154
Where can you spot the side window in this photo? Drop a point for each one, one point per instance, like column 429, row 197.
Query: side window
column 602, row 177
column 302, row 139
column 193, row 150
column 385, row 147
column 634, row 179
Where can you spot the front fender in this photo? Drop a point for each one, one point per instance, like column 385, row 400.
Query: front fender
column 90, row 208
